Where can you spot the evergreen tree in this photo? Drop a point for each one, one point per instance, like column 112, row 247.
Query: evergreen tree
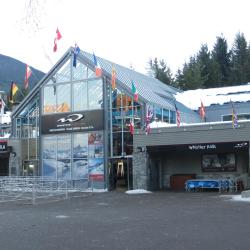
column 160, row 71
column 204, row 60
column 221, row 62
column 239, row 60
column 190, row 77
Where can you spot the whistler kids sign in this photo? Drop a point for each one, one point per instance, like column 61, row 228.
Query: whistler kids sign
column 201, row 147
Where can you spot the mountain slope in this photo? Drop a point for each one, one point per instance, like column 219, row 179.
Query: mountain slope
column 14, row 70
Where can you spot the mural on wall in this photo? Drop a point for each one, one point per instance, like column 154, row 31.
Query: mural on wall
column 82, row 160
column 222, row 162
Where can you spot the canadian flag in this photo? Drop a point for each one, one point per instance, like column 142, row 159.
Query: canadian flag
column 57, row 38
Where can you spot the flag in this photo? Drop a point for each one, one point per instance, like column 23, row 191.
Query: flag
column 134, row 91
column 98, row 70
column 131, row 127
column 76, row 53
column 27, row 76
column 13, row 90
column 2, row 105
column 58, row 34
column 202, row 111
column 113, row 78
column 234, row 117
column 57, row 38
column 149, row 116
column 178, row 116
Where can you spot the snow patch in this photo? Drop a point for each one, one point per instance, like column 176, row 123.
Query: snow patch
column 62, row 216
column 239, row 198
column 138, row 191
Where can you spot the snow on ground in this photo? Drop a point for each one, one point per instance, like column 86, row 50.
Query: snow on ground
column 236, row 198
column 138, row 191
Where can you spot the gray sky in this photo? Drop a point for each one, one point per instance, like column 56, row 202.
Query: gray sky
column 128, row 32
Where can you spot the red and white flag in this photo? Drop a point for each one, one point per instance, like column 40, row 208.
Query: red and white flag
column 57, row 38
column 27, row 76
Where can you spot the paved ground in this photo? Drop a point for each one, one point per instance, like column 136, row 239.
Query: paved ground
column 114, row 220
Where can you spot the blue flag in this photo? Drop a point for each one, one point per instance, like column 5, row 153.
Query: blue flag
column 76, row 53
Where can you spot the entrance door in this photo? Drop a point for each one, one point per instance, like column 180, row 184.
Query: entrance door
column 120, row 174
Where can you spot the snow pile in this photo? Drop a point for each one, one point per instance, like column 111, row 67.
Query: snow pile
column 193, row 98
column 239, row 198
column 138, row 191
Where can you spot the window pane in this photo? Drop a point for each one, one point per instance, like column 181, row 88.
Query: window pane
column 172, row 117
column 128, row 143
column 63, row 98
column 80, row 72
column 49, row 100
column 63, row 156
column 95, row 94
column 91, row 73
column 95, row 142
column 96, row 169
column 49, row 156
column 117, row 144
column 158, row 114
column 63, row 75
column 49, row 167
column 80, row 93
column 166, row 115
column 49, row 147
column 63, row 147
column 80, row 145
column 116, row 120
column 80, row 168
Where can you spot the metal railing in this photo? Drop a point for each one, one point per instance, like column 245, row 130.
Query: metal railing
column 36, row 188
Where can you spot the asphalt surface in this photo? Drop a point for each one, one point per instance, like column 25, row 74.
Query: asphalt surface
column 115, row 220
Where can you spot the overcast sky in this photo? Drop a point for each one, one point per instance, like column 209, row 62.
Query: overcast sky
column 127, row 32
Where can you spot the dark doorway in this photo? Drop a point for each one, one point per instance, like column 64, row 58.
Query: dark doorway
column 4, row 166
column 120, row 174
column 154, row 175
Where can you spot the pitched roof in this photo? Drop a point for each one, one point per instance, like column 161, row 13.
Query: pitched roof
column 149, row 89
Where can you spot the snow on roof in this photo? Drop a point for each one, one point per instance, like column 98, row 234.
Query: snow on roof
column 193, row 98
column 160, row 124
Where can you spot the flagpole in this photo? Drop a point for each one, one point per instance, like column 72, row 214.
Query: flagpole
column 132, row 113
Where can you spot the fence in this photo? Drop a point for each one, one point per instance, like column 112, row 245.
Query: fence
column 33, row 189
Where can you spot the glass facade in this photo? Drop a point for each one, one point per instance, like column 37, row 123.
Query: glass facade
column 71, row 155
column 124, row 112
column 81, row 152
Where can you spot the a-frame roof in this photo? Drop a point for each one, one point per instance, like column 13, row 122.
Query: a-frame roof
column 149, row 89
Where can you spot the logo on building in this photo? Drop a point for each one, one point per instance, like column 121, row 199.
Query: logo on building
column 71, row 118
